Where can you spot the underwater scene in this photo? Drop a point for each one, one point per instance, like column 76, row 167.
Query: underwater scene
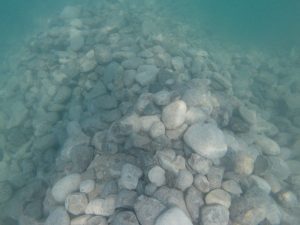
column 150, row 112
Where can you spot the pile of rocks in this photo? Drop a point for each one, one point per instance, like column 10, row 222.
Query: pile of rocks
column 110, row 125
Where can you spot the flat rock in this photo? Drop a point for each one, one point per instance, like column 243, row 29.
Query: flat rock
column 173, row 115
column 218, row 196
column 232, row 187
column 66, row 185
column 173, row 216
column 102, row 207
column 207, row 140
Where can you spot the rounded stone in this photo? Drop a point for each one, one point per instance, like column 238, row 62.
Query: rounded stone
column 218, row 196
column 157, row 176
column 59, row 216
column 173, row 216
column 87, row 186
column 65, row 186
column 124, row 218
column 76, row 203
column 207, row 140
column 244, row 163
column 232, row 187
column 201, row 183
column 267, row 145
column 157, row 129
column 214, row 215
column 184, row 180
column 173, row 115
column 5, row 191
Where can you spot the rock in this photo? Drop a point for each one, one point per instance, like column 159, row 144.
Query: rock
column 62, row 95
column 247, row 114
column 173, row 216
column 17, row 116
column 102, row 207
column 148, row 209
column 232, row 187
column 132, row 63
column 244, row 163
column 34, row 209
column 194, row 201
column 169, row 161
column 171, row 196
column 76, row 40
column 107, row 102
column 199, row 164
column 218, row 196
column 6, row 191
column 126, row 198
column 58, row 217
column 184, row 180
column 148, row 121
column 66, row 185
column 177, row 63
column 260, row 183
column 201, row 183
column 70, row 12
column 146, row 74
column 206, row 140
column 156, row 175
column 88, row 62
column 97, row 220
column 81, row 157
column 87, row 186
column 287, row 199
column 76, row 203
column 173, row 115
column 103, row 54
column 130, row 176
column 80, row 220
column 215, row 177
column 194, row 115
column 124, row 218
column 267, row 145
column 177, row 133
column 96, row 91
column 162, row 98
column 214, row 215
column 157, row 129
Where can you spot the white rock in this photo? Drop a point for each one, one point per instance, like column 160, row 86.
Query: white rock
column 65, row 186
column 76, row 203
column 218, row 196
column 157, row 176
column 173, row 216
column 88, row 62
column 207, row 140
column 157, row 129
column 173, row 115
column 130, row 175
column 80, row 220
column 267, row 145
column 148, row 121
column 87, row 186
column 102, row 207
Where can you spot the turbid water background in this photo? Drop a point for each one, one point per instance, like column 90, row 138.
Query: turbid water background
column 187, row 110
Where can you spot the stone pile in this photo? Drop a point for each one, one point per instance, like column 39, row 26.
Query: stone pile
column 110, row 126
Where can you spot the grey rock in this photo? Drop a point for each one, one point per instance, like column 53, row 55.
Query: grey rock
column 215, row 177
column 201, row 183
column 173, row 115
column 80, row 220
column 287, row 199
column 162, row 98
column 214, row 215
column 244, row 163
column 124, row 218
column 87, row 186
column 178, row 64
column 156, row 175
column 194, row 201
column 207, row 140
column 6, row 191
column 129, row 176
column 66, row 185
column 132, row 63
column 97, row 220
column 76, row 203
column 148, row 209
column 146, row 74
column 34, row 209
column 184, row 180
column 103, row 54
column 62, row 95
column 173, row 216
column 58, row 217
column 96, row 91
column 267, row 145
column 18, row 114
column 199, row 164
column 157, row 129
column 76, row 41
column 107, row 102
column 81, row 157
column 126, row 198
column 88, row 62
column 232, row 187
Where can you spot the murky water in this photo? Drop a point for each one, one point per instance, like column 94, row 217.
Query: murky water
column 149, row 112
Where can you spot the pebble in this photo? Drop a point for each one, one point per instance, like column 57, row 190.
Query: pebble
column 173, row 115
column 87, row 186
column 146, row 74
column 214, row 215
column 184, row 180
column 287, row 199
column 194, row 201
column 6, row 191
column 244, row 163
column 124, row 218
column 97, row 220
column 126, row 198
column 232, row 187
column 218, row 196
column 207, row 140
column 199, row 164
column 80, row 220
column 59, row 216
column 66, row 185
column 267, row 145
column 88, row 62
column 130, row 175
column 148, row 209
column 156, row 175
column 261, row 183
column 173, row 216
column 201, row 183
column 76, row 203
column 76, row 41
column 102, row 207
column 215, row 177
column 162, row 98
column 157, row 129
column 194, row 115
column 103, row 54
